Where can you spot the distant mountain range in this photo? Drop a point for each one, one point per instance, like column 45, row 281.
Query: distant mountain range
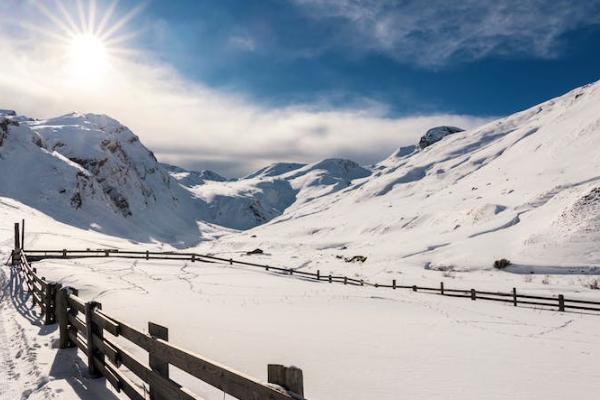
column 526, row 184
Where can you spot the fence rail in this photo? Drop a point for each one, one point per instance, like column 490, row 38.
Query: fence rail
column 93, row 331
column 558, row 302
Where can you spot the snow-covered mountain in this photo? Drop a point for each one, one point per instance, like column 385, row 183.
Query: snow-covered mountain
column 270, row 191
column 524, row 187
column 120, row 188
column 192, row 178
column 92, row 172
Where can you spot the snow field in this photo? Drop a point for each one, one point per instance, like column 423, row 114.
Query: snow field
column 350, row 342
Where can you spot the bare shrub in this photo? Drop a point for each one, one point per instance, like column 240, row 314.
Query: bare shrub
column 501, row 263
column 593, row 284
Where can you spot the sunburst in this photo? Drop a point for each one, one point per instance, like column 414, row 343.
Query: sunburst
column 90, row 41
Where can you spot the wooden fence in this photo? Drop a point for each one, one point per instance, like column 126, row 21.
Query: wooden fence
column 95, row 332
column 559, row 302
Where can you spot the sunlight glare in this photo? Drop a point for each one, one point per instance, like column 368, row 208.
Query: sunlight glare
column 90, row 39
column 88, row 58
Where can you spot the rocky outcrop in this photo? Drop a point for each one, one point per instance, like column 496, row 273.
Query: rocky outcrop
column 436, row 134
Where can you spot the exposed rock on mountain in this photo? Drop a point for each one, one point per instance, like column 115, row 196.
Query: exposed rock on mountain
column 436, row 134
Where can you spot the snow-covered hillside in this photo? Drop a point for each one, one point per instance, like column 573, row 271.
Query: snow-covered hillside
column 270, row 191
column 523, row 187
column 92, row 172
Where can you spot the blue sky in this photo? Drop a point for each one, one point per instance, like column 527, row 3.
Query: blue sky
column 282, row 52
column 233, row 85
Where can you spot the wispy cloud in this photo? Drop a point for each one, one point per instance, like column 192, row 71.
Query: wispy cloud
column 438, row 32
column 246, row 43
column 189, row 123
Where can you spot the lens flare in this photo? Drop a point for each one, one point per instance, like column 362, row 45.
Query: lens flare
column 90, row 42
column 88, row 58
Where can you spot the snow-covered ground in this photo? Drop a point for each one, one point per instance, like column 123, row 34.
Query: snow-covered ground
column 351, row 342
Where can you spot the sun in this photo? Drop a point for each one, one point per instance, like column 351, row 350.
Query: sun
column 90, row 41
column 88, row 57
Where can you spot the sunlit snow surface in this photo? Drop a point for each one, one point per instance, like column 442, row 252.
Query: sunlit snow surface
column 524, row 188
column 351, row 342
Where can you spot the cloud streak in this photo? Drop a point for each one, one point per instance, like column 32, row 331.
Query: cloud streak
column 188, row 123
column 439, row 32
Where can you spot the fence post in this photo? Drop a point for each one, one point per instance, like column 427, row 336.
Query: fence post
column 515, row 297
column 442, row 288
column 291, row 271
column 318, row 275
column 393, row 284
column 193, row 258
column 473, row 294
column 156, row 364
column 345, row 280
column 64, row 253
column 330, row 278
column 62, row 316
column 49, row 295
column 17, row 237
column 147, row 254
column 91, row 330
column 22, row 234
column 561, row 302
column 231, row 261
column 414, row 288
column 290, row 378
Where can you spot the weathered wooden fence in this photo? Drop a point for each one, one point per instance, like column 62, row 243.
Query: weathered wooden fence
column 95, row 332
column 559, row 302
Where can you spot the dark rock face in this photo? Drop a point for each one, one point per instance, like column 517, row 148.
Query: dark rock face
column 4, row 124
column 436, row 134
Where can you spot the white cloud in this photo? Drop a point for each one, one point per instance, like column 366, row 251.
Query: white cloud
column 246, row 43
column 437, row 32
column 189, row 123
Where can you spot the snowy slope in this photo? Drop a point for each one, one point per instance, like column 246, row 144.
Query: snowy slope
column 271, row 191
column 91, row 172
column 523, row 187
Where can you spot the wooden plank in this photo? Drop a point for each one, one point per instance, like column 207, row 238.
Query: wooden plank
column 77, row 323
column 109, row 351
column 62, row 315
column 229, row 381
column 108, row 373
column 561, row 302
column 76, row 302
column 582, row 302
column 158, row 364
column 17, row 237
column 582, row 308
column 78, row 340
column 119, row 381
column 105, row 322
column 169, row 388
column 22, row 234
column 289, row 378
column 91, row 330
